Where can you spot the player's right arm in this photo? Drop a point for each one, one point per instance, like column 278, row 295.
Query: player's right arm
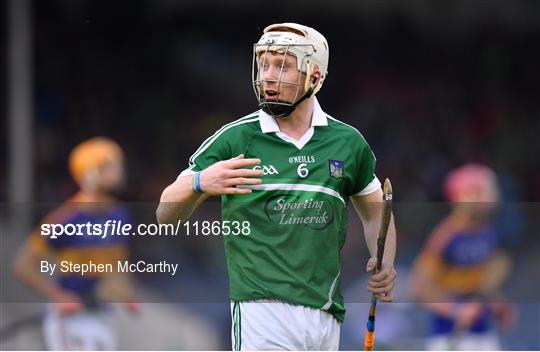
column 427, row 270
column 179, row 200
column 25, row 269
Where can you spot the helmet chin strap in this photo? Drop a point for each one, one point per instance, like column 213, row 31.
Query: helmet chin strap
column 281, row 108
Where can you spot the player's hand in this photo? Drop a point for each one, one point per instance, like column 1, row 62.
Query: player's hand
column 224, row 176
column 382, row 283
column 467, row 314
column 67, row 303
column 506, row 315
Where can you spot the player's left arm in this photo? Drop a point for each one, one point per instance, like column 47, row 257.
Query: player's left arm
column 369, row 208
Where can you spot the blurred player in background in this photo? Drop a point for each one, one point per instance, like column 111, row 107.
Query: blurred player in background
column 459, row 273
column 286, row 173
column 77, row 316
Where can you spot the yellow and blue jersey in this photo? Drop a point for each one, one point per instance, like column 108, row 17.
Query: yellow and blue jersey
column 85, row 248
column 458, row 258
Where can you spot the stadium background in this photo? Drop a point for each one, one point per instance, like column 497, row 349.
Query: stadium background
column 430, row 85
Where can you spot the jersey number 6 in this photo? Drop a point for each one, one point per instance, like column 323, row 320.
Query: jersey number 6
column 302, row 170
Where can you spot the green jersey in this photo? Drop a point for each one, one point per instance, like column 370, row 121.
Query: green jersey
column 298, row 216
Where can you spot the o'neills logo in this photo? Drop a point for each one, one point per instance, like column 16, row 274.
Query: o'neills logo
column 287, row 209
column 306, row 159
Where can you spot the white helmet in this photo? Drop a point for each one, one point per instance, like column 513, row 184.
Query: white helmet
column 310, row 48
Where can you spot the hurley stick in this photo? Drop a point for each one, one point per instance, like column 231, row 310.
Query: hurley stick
column 369, row 340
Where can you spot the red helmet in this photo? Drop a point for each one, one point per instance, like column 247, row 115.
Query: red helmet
column 473, row 183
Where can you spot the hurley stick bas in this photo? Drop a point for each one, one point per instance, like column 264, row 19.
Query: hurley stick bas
column 369, row 339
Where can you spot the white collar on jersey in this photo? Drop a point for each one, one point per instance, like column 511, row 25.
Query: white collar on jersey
column 269, row 125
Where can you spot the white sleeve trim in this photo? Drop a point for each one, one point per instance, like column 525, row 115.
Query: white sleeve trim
column 373, row 186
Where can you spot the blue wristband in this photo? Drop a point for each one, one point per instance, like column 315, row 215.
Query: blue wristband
column 198, row 182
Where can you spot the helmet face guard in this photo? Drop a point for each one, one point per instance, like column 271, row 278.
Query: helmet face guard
column 277, row 107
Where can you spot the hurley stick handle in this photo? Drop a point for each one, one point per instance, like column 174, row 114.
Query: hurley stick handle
column 369, row 339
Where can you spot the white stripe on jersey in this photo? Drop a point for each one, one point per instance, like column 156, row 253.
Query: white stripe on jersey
column 328, row 304
column 293, row 187
column 354, row 128
column 215, row 136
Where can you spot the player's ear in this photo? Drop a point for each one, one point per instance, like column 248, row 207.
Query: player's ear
column 315, row 75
